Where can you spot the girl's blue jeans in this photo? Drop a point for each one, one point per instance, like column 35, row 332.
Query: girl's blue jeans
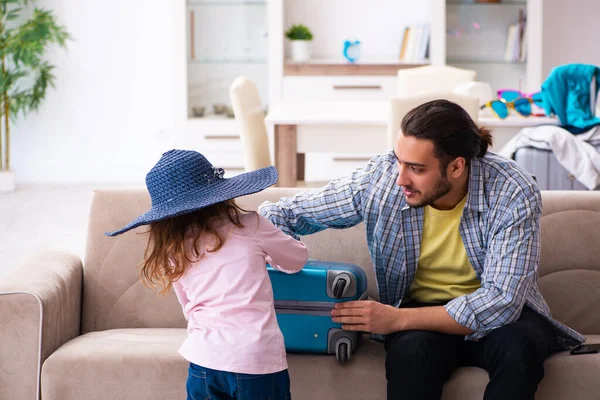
column 209, row 384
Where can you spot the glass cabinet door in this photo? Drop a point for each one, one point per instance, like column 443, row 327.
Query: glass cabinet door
column 225, row 39
column 489, row 37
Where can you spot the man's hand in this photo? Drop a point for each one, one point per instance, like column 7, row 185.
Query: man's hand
column 367, row 316
column 374, row 317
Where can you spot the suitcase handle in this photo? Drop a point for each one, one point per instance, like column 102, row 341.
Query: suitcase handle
column 341, row 282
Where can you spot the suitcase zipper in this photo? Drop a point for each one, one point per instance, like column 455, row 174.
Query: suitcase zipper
column 320, row 308
column 303, row 307
column 296, row 306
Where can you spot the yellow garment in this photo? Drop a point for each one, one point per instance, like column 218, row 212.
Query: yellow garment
column 444, row 271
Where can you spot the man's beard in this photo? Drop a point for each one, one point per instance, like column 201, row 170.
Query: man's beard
column 441, row 188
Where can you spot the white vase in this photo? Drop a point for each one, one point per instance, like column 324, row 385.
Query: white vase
column 7, row 182
column 300, row 50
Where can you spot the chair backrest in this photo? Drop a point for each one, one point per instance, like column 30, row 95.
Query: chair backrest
column 249, row 113
column 432, row 78
column 401, row 105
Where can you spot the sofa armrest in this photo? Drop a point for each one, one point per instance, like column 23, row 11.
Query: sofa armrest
column 40, row 310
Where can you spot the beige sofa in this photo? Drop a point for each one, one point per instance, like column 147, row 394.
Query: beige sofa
column 98, row 333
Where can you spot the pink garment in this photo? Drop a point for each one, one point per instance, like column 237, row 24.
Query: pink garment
column 227, row 299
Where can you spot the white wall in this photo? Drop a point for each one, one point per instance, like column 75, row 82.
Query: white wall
column 570, row 33
column 112, row 112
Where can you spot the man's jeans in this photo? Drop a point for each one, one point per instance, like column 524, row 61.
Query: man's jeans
column 205, row 383
column 418, row 363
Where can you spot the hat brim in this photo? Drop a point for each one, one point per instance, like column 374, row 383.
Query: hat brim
column 221, row 190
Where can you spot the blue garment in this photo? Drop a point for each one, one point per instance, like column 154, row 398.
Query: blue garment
column 206, row 383
column 567, row 94
column 500, row 228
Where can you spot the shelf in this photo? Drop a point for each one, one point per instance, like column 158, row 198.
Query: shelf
column 336, row 67
column 211, row 118
column 228, row 61
column 499, row 62
column 521, row 3
column 366, row 61
column 195, row 3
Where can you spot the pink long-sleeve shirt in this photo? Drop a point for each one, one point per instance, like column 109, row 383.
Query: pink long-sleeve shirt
column 227, row 298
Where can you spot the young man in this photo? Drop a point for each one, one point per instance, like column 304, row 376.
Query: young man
column 454, row 233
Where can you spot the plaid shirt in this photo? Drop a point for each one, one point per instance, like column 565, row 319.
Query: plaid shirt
column 500, row 228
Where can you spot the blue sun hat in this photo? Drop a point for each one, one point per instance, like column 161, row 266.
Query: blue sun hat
column 184, row 181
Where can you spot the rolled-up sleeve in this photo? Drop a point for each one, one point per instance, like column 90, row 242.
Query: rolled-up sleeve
column 510, row 267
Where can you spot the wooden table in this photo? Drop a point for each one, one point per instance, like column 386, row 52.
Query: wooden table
column 372, row 116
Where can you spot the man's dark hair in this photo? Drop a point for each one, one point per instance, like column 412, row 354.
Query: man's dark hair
column 450, row 128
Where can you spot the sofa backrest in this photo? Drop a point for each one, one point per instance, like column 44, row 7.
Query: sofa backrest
column 570, row 258
column 114, row 296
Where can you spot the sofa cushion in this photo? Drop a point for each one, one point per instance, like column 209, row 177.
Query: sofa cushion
column 566, row 377
column 145, row 364
column 570, row 258
column 117, row 364
column 113, row 295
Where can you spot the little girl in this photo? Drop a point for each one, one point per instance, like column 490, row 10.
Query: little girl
column 213, row 254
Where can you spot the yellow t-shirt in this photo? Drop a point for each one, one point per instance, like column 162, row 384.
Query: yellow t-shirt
column 444, row 271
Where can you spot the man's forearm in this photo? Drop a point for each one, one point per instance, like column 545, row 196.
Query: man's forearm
column 434, row 318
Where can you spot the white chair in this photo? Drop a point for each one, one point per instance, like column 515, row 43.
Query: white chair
column 401, row 105
column 432, row 78
column 249, row 113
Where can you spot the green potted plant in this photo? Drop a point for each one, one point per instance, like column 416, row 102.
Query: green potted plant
column 300, row 37
column 25, row 34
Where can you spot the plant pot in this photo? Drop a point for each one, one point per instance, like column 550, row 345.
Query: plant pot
column 300, row 50
column 7, row 182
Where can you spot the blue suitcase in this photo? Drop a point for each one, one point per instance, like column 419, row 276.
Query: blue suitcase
column 303, row 303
